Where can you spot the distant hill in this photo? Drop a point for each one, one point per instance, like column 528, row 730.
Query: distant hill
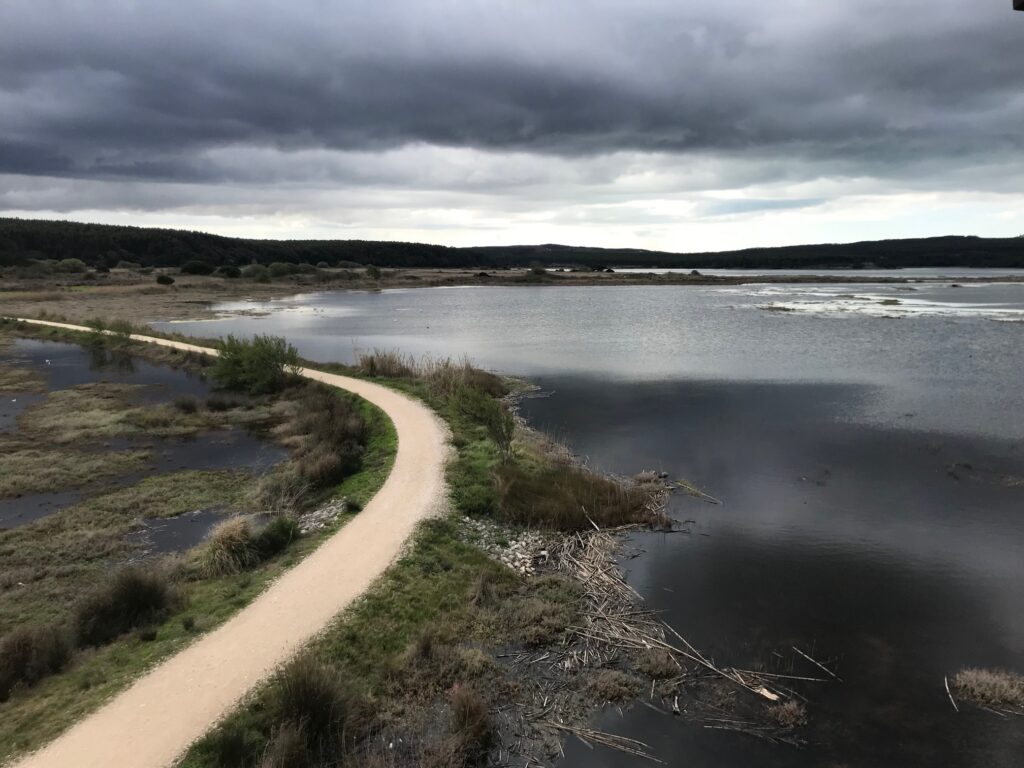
column 22, row 240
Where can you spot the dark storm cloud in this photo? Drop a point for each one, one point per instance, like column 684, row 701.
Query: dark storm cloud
column 142, row 90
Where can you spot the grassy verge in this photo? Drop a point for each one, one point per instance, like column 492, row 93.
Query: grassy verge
column 75, row 630
column 413, row 671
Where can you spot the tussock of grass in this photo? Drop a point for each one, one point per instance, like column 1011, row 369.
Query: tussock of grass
column 788, row 714
column 233, row 546
column 130, row 598
column 28, row 654
column 569, row 498
column 229, row 548
column 658, row 664
column 993, row 688
column 612, row 686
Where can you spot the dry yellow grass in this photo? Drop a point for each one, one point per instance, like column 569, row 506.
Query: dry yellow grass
column 994, row 688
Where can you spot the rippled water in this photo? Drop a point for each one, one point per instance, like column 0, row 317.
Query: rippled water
column 869, row 460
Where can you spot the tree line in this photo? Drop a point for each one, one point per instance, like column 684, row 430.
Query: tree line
column 23, row 241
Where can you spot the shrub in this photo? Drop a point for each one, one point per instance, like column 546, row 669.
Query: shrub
column 260, row 366
column 568, row 498
column 164, row 280
column 610, row 685
column 286, row 748
column 388, row 363
column 70, row 265
column 28, row 654
column 230, row 548
column 229, row 271
column 196, row 267
column 322, row 265
column 495, row 417
column 285, row 489
column 186, row 404
column 471, row 721
column 334, row 436
column 658, row 663
column 995, row 688
column 315, row 699
column 281, row 269
column 128, row 599
column 373, row 272
column 276, row 536
column 789, row 714
column 256, row 272
column 536, row 268
column 128, row 265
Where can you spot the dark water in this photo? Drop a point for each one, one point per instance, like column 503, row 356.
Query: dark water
column 68, row 365
column 865, row 443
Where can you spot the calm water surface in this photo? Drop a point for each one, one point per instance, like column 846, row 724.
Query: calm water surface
column 865, row 442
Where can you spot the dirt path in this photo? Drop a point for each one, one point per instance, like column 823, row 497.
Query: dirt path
column 151, row 723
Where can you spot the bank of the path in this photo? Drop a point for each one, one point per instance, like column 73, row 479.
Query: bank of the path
column 151, row 723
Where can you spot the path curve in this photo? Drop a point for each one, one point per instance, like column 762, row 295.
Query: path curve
column 154, row 721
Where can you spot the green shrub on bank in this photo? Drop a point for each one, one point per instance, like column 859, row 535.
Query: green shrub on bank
column 569, row 498
column 28, row 654
column 233, row 546
column 262, row 365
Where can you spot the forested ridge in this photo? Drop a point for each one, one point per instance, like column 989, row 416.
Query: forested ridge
column 25, row 240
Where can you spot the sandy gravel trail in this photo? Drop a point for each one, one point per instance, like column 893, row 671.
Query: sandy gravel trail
column 151, row 723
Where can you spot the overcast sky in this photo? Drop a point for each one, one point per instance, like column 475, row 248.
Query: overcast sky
column 678, row 125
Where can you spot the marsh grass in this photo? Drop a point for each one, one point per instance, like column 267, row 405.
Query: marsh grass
column 30, row 653
column 611, row 686
column 994, row 688
column 25, row 470
column 130, row 598
column 229, row 548
column 570, row 498
column 788, row 714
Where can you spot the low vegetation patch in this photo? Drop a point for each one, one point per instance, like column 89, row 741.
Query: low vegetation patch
column 996, row 689
column 570, row 498
column 28, row 654
column 130, row 598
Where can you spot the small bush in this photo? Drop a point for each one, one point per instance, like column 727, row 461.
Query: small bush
column 164, row 280
column 196, row 267
column 315, row 699
column 373, row 272
column 28, row 654
column 471, row 721
column 260, row 366
column 220, row 404
column 276, row 536
column 228, row 271
column 568, row 498
column 129, row 598
column 283, row 490
column 186, row 404
column 995, row 688
column 230, row 548
column 333, row 436
column 70, row 265
column 495, row 417
column 612, row 686
column 657, row 663
column 286, row 748
column 281, row 269
column 256, row 272
column 388, row 363
column 789, row 714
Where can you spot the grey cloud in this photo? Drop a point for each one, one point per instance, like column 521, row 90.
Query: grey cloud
column 143, row 90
